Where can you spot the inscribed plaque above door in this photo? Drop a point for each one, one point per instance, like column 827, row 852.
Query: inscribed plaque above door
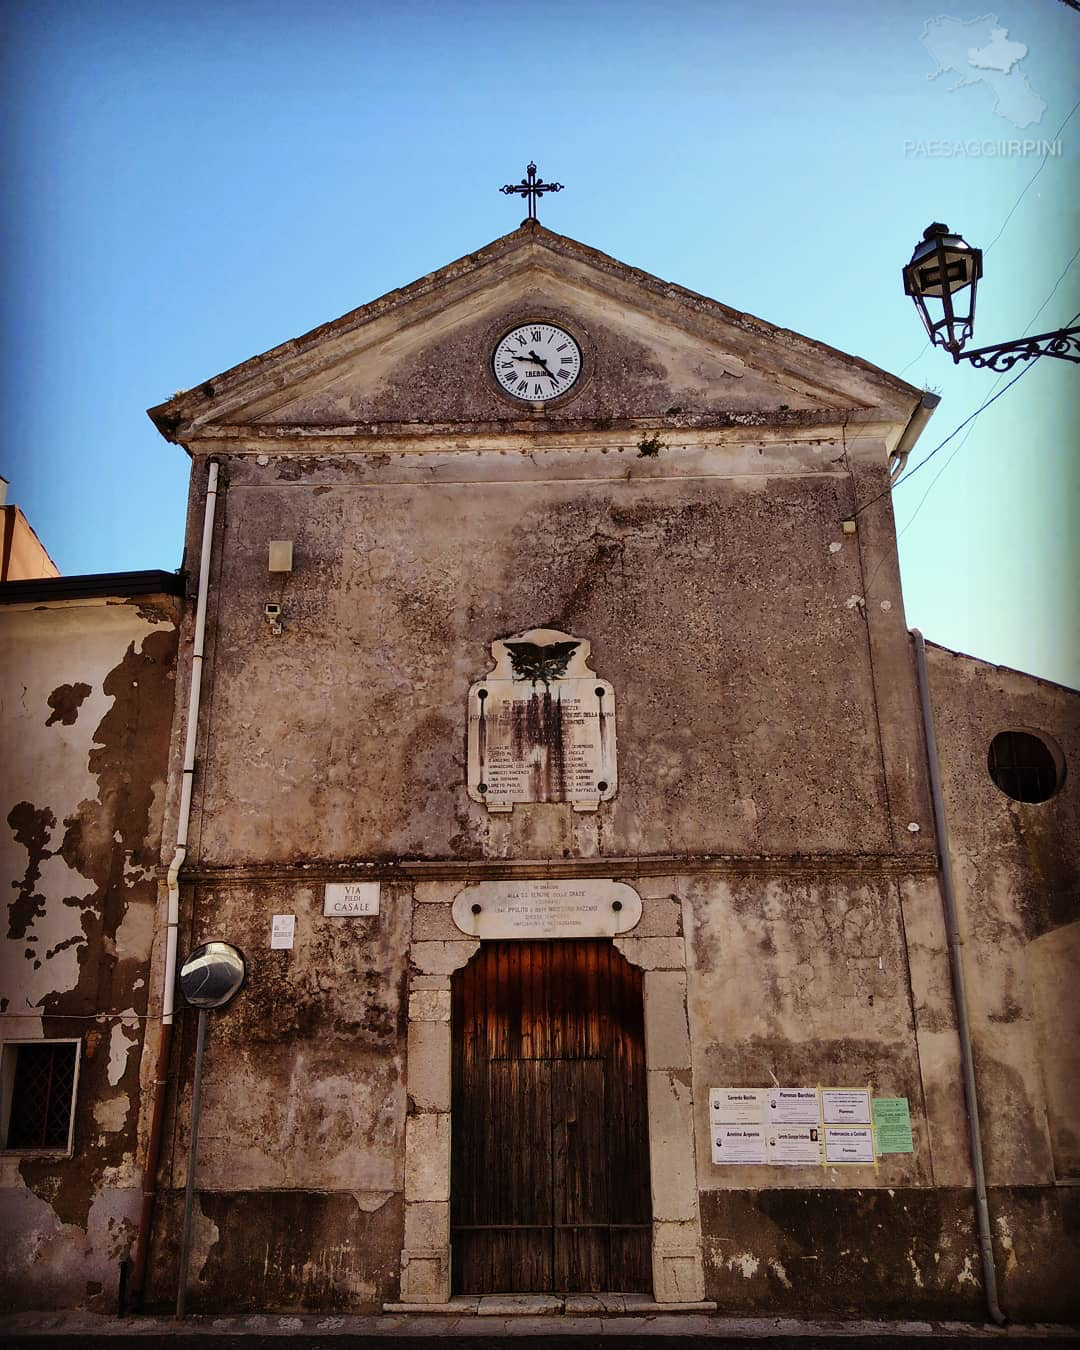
column 542, row 725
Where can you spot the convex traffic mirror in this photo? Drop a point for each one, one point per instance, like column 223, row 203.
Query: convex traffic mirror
column 212, row 975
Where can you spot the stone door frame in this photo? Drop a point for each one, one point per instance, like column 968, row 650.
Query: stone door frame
column 677, row 1260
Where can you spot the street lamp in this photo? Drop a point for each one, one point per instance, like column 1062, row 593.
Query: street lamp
column 942, row 279
column 210, row 977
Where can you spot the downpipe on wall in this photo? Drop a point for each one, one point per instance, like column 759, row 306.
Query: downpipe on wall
column 172, row 883
column 914, row 429
column 956, row 970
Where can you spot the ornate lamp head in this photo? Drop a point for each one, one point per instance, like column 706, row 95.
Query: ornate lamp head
column 941, row 269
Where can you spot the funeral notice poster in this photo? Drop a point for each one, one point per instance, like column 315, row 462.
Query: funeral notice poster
column 794, row 1145
column 739, row 1144
column 737, row 1106
column 793, row 1106
column 845, row 1106
column 849, row 1145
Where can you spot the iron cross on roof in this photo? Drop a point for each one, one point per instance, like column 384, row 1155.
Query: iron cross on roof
column 532, row 187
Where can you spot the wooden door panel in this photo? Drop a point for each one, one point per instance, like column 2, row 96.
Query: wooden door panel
column 579, row 1174
column 550, row 1173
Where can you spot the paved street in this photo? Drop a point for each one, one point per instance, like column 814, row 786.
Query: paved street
column 42, row 1330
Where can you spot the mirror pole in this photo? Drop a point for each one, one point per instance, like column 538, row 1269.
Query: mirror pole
column 189, row 1194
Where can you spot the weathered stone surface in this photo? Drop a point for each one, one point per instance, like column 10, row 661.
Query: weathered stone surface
column 671, row 1138
column 516, row 1305
column 434, row 923
column 427, row 1157
column 661, row 915
column 440, row 958
column 429, row 1005
column 667, row 1035
column 429, row 1065
column 654, row 953
column 428, row 982
column 427, row 1225
column 425, row 1276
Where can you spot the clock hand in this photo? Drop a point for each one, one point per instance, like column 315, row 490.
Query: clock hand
column 541, row 362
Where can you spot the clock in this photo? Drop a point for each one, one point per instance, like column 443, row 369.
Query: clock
column 536, row 362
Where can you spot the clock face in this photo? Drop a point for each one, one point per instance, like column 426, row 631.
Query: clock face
column 537, row 362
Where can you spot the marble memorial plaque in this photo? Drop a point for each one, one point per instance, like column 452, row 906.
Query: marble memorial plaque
column 542, row 725
column 567, row 908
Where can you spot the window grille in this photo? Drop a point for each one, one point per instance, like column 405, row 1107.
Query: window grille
column 1023, row 766
column 39, row 1093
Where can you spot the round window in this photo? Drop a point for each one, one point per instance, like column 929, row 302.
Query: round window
column 1024, row 767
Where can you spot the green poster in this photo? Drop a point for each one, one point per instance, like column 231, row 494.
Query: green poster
column 892, row 1122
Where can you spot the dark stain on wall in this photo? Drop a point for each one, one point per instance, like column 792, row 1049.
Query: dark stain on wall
column 65, row 702
column 291, row 1251
column 841, row 1253
column 32, row 827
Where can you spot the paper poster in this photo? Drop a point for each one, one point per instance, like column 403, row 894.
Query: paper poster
column 793, row 1106
column 794, row 1145
column 737, row 1106
column 892, row 1123
column 282, row 930
column 849, row 1145
column 739, row 1144
column 845, row 1106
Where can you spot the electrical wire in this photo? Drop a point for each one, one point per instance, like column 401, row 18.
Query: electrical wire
column 1012, row 209
column 968, row 423
column 1023, row 193
column 942, row 444
column 963, row 442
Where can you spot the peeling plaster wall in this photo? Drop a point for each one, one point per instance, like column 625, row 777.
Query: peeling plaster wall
column 85, row 715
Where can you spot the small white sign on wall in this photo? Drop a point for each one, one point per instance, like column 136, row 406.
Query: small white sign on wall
column 347, row 899
column 282, row 931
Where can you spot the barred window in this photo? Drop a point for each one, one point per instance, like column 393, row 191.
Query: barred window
column 1023, row 766
column 37, row 1094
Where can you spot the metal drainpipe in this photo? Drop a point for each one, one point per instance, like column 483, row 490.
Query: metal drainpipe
column 919, row 418
column 172, row 881
column 956, row 968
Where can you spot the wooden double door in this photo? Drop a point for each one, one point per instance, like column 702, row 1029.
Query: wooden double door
column 550, row 1159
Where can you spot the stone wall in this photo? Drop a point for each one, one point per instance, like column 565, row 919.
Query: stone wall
column 720, row 593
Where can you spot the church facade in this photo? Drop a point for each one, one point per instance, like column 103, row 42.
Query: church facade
column 560, row 766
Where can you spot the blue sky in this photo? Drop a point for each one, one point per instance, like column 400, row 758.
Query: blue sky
column 188, row 184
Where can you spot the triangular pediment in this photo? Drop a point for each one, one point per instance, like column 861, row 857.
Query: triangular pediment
column 652, row 351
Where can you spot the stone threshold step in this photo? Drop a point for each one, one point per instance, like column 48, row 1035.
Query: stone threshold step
column 549, row 1305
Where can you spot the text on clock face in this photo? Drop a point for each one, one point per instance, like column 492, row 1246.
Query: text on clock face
column 537, row 362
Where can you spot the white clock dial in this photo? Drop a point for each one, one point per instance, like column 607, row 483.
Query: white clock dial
column 537, row 362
